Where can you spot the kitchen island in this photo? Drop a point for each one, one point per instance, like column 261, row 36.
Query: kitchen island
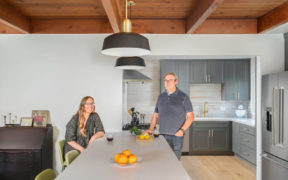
column 96, row 162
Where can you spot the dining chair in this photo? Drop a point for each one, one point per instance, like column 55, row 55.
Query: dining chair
column 47, row 174
column 68, row 157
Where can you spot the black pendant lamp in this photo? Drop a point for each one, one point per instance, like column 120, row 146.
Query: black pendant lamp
column 134, row 62
column 126, row 43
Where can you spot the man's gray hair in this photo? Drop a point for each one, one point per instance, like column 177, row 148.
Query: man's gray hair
column 173, row 74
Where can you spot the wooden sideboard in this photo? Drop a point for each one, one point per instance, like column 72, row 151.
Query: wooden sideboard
column 25, row 151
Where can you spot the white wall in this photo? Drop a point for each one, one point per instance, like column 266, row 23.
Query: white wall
column 53, row 72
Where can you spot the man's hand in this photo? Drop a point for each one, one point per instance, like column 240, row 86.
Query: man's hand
column 179, row 133
column 148, row 131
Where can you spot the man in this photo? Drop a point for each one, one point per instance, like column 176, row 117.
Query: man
column 174, row 112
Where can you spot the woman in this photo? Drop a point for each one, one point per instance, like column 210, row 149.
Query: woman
column 84, row 127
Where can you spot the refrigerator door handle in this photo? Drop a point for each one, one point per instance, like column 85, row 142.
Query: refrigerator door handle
column 273, row 116
column 281, row 116
column 266, row 156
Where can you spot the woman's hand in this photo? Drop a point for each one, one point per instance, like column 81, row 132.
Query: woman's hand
column 96, row 136
column 81, row 149
column 76, row 146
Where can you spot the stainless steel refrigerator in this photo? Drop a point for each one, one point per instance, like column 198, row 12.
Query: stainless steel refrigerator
column 275, row 126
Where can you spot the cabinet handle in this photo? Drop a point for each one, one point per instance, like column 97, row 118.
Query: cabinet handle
column 209, row 132
column 238, row 94
column 206, row 78
column 235, row 96
column 246, row 140
column 209, row 78
column 212, row 132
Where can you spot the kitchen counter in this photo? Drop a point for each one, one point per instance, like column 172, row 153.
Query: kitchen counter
column 96, row 162
column 245, row 121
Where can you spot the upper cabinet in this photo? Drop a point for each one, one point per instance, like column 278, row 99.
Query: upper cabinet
column 233, row 74
column 236, row 80
column 215, row 71
column 198, row 72
column 202, row 71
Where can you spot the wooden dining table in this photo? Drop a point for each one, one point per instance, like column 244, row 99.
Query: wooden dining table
column 157, row 161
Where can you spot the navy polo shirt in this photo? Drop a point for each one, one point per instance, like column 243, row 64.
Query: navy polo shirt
column 172, row 110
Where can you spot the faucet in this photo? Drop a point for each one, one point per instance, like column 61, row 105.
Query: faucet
column 205, row 108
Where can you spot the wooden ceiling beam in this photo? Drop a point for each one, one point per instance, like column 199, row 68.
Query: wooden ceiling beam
column 274, row 18
column 12, row 17
column 70, row 26
column 145, row 26
column 113, row 14
column 200, row 13
column 227, row 26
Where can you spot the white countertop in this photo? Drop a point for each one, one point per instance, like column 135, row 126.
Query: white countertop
column 245, row 121
column 96, row 162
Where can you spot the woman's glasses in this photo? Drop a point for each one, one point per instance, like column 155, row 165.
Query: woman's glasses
column 89, row 104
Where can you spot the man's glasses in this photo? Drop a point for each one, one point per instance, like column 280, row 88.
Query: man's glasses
column 169, row 80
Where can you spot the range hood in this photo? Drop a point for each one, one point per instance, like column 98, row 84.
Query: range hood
column 134, row 76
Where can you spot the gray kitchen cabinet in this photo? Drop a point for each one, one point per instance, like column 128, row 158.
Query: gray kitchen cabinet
column 221, row 138
column 206, row 71
column 180, row 68
column 235, row 137
column 215, row 71
column 242, row 79
column 185, row 148
column 244, row 142
column 198, row 73
column 211, row 138
column 236, row 77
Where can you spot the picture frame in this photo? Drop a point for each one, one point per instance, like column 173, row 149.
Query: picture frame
column 26, row 122
column 40, row 118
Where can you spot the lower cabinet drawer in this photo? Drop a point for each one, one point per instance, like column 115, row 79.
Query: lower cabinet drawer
column 248, row 140
column 248, row 154
column 247, row 129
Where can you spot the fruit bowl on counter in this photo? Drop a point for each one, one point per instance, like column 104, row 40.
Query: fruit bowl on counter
column 126, row 159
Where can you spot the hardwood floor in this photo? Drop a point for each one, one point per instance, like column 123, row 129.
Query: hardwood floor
column 218, row 168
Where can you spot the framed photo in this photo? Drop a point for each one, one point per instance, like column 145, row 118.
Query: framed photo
column 26, row 121
column 40, row 118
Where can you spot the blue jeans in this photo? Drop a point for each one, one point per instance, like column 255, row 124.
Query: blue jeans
column 176, row 144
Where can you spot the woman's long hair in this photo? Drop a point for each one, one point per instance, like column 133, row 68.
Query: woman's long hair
column 81, row 114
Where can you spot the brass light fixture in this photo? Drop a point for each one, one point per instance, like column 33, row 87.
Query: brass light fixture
column 126, row 43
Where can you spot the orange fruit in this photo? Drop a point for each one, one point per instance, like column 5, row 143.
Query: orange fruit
column 126, row 152
column 132, row 159
column 122, row 160
column 116, row 157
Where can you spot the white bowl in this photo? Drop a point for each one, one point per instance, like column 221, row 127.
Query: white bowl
column 240, row 113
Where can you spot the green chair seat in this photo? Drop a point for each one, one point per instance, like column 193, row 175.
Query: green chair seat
column 68, row 157
column 47, row 174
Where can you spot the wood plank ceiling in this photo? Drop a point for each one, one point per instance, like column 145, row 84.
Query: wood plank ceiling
column 148, row 16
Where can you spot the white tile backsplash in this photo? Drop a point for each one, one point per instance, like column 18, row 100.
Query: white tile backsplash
column 211, row 93
column 144, row 96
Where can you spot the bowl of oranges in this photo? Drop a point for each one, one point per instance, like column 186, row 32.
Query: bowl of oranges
column 126, row 158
